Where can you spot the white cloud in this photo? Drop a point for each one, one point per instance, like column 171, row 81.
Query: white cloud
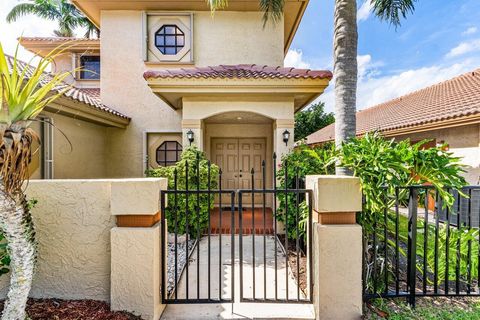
column 294, row 58
column 463, row 48
column 366, row 67
column 364, row 12
column 469, row 31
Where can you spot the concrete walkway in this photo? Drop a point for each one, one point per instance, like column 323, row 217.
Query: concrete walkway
column 222, row 273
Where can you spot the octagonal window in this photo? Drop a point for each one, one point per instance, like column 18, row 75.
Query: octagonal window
column 169, row 39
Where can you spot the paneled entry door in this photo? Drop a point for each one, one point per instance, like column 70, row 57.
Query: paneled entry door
column 236, row 157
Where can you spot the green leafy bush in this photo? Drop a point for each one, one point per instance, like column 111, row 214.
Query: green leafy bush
column 381, row 165
column 197, row 216
column 302, row 161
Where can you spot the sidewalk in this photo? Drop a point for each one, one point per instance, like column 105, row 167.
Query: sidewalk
column 240, row 310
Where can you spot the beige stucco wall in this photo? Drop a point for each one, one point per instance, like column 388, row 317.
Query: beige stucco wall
column 136, row 251
column 86, row 157
column 123, row 86
column 236, row 38
column 463, row 142
column 79, row 149
column 73, row 223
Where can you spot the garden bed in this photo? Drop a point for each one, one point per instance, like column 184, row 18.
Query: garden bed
column 181, row 259
column 292, row 261
column 426, row 308
column 56, row 309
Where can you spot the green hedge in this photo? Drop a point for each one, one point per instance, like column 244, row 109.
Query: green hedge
column 197, row 217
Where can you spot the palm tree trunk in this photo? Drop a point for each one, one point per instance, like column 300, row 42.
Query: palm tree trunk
column 345, row 72
column 17, row 226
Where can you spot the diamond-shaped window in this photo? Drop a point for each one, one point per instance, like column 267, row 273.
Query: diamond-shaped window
column 169, row 39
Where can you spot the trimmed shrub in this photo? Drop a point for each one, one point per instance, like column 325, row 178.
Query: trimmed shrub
column 196, row 164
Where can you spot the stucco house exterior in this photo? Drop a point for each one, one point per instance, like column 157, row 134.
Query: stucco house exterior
column 446, row 113
column 162, row 69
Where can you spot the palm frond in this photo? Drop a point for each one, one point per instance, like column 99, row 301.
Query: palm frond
column 393, row 10
column 272, row 9
column 217, row 4
column 20, row 10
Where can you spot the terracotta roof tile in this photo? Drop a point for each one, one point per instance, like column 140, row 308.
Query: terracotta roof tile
column 241, row 71
column 88, row 96
column 58, row 39
column 451, row 99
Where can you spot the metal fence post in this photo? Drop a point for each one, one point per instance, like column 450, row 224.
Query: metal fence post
column 412, row 245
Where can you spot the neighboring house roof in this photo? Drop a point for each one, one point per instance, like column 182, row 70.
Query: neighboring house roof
column 452, row 102
column 241, row 71
column 89, row 97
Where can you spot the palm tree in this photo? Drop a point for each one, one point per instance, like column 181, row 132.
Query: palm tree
column 345, row 40
column 24, row 92
column 67, row 15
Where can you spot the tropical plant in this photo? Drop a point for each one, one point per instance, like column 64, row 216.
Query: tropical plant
column 24, row 93
column 66, row 14
column 191, row 160
column 381, row 165
column 297, row 164
column 311, row 120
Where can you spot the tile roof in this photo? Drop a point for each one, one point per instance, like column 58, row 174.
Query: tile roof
column 455, row 98
column 59, row 39
column 241, row 71
column 90, row 97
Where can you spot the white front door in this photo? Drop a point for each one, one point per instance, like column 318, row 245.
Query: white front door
column 237, row 157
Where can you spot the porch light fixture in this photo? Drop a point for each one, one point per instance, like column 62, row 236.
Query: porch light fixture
column 190, row 136
column 286, row 136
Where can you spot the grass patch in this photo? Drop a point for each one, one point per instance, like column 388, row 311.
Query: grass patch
column 426, row 309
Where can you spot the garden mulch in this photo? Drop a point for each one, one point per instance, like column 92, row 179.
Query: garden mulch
column 56, row 309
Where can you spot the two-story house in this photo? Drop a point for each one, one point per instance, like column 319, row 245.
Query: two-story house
column 167, row 74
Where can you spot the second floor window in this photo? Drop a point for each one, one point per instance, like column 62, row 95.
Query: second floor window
column 169, row 39
column 90, row 67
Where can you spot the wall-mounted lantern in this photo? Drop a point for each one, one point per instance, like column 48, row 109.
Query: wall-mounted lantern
column 190, row 136
column 286, row 137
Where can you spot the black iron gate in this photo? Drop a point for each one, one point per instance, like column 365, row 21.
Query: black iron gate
column 268, row 223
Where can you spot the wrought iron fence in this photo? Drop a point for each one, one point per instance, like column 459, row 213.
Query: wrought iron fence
column 251, row 226
column 419, row 245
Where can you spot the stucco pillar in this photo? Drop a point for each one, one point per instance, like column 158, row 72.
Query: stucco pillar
column 279, row 146
column 136, row 255
column 337, row 250
column 198, row 133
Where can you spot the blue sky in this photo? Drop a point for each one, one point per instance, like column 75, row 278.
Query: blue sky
column 440, row 40
column 433, row 44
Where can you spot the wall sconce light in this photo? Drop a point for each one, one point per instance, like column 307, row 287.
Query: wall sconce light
column 190, row 136
column 286, row 136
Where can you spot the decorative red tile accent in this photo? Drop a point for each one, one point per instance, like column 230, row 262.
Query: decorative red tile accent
column 241, row 71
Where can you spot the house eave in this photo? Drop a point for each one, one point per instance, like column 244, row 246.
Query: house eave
column 172, row 91
column 44, row 47
column 294, row 10
column 78, row 110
